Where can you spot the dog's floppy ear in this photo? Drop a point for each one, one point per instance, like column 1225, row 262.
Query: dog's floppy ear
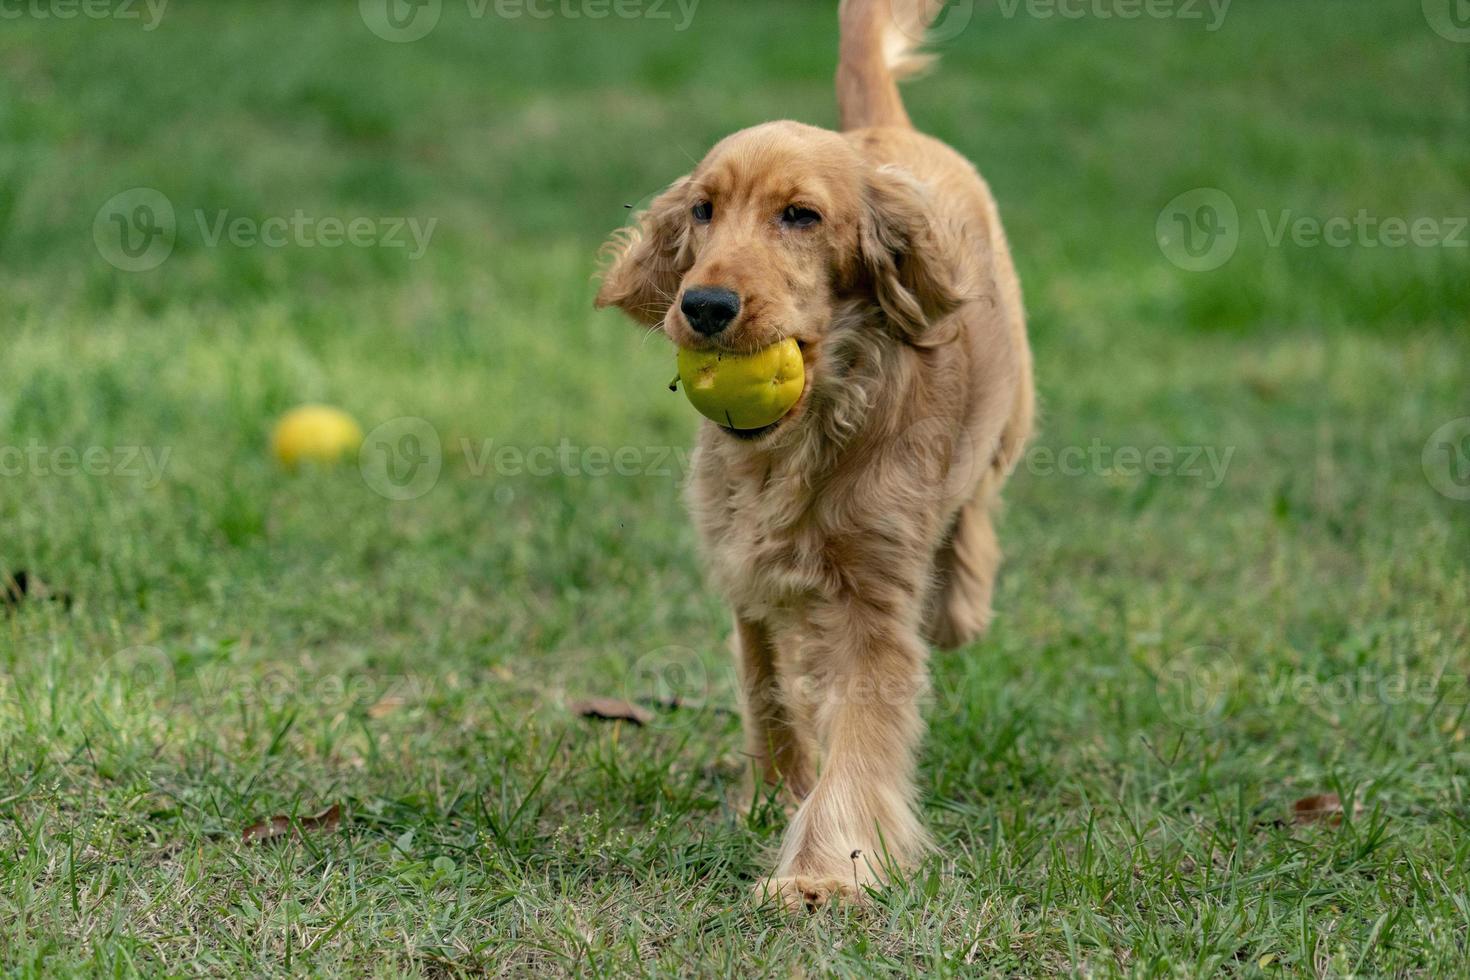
column 647, row 261
column 903, row 255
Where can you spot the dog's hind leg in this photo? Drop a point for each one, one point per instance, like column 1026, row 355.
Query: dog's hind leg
column 965, row 568
column 967, row 562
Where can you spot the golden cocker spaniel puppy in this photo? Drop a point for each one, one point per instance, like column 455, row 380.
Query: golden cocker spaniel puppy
column 857, row 529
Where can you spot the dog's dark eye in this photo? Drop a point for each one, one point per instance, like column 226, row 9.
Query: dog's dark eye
column 799, row 217
column 703, row 211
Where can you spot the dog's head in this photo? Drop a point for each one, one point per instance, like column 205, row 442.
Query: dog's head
column 777, row 231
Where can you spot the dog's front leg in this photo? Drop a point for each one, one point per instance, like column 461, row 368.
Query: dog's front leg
column 866, row 675
column 772, row 742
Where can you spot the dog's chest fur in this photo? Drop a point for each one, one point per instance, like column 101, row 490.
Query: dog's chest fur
column 779, row 533
column 762, row 532
column 853, row 502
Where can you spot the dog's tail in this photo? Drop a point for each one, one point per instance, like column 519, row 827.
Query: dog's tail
column 880, row 45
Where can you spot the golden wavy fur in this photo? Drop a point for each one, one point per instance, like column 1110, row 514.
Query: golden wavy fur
column 858, row 528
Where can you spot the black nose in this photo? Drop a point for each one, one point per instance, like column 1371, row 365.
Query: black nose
column 709, row 309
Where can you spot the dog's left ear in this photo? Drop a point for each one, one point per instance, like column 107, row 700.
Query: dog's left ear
column 648, row 261
column 904, row 255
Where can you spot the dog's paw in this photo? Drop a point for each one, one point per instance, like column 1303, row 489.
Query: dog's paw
column 808, row 893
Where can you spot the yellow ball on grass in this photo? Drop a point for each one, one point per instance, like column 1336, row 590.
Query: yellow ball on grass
column 314, row 434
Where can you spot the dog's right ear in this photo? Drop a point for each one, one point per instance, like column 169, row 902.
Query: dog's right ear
column 647, row 261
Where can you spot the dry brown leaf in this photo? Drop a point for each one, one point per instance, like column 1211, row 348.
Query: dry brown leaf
column 611, row 709
column 279, row 826
column 264, row 830
column 385, row 706
column 1321, row 808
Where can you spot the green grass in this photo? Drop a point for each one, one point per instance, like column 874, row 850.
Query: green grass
column 1109, row 774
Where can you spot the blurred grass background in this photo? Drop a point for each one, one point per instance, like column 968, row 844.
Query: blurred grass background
column 1087, row 824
